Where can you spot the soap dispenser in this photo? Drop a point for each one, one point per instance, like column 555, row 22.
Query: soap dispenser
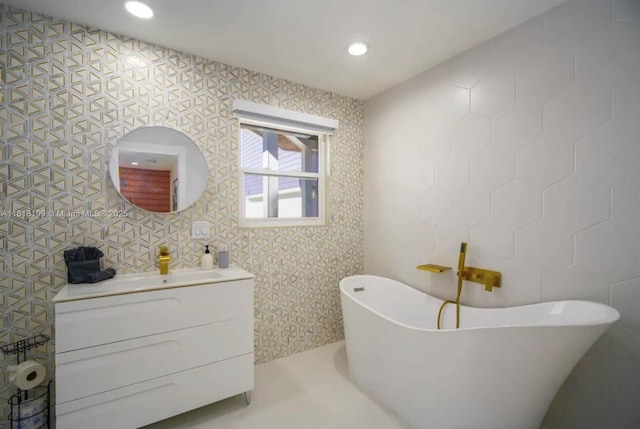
column 206, row 263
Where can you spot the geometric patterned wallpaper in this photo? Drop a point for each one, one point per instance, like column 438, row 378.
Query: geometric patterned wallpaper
column 528, row 147
column 69, row 92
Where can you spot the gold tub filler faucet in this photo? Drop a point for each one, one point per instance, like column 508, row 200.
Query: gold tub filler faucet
column 488, row 278
column 163, row 259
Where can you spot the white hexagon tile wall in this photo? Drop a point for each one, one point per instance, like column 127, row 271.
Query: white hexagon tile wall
column 527, row 147
column 70, row 93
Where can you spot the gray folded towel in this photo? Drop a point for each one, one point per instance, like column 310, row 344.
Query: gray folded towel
column 83, row 265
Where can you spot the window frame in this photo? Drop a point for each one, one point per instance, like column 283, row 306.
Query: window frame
column 322, row 176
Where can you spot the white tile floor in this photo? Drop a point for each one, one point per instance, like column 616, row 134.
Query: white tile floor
column 310, row 390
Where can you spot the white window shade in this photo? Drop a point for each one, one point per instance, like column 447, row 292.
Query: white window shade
column 270, row 116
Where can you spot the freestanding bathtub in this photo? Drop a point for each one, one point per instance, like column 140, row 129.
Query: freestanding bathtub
column 500, row 370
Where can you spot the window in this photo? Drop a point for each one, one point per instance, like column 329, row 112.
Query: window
column 283, row 168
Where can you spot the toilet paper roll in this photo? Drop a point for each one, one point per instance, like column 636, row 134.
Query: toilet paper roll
column 34, row 422
column 32, row 408
column 27, row 375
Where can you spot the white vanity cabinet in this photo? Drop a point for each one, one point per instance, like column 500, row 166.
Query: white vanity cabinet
column 137, row 349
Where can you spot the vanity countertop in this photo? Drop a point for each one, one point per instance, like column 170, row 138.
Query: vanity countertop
column 143, row 282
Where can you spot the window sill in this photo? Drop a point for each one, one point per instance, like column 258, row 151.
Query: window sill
column 279, row 223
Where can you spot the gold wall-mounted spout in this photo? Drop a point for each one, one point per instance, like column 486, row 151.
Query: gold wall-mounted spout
column 433, row 268
column 163, row 259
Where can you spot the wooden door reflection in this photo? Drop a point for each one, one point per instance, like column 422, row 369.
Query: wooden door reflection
column 147, row 189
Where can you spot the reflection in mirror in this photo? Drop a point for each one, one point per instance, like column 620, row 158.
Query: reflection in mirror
column 158, row 169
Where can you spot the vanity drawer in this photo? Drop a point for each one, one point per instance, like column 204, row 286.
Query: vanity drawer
column 144, row 403
column 86, row 372
column 91, row 322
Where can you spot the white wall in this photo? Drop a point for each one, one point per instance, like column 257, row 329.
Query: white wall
column 527, row 147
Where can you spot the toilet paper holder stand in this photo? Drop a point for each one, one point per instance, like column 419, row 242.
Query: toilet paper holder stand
column 35, row 401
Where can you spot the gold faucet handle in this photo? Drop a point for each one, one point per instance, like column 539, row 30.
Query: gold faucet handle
column 491, row 281
column 488, row 278
column 164, row 251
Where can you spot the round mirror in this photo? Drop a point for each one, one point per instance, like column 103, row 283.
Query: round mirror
column 158, row 169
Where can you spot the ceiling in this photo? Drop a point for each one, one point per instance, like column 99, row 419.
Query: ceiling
column 305, row 40
column 147, row 161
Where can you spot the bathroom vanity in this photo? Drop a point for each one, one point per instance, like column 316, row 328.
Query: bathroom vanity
column 140, row 348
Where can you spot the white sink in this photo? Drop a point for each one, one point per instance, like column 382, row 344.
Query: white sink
column 174, row 278
column 131, row 283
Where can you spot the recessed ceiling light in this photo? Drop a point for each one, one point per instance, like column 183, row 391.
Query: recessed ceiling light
column 134, row 163
column 139, row 9
column 358, row 48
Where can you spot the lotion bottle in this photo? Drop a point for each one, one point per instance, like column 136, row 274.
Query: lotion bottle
column 206, row 262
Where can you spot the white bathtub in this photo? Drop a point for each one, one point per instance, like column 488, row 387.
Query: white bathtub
column 500, row 370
